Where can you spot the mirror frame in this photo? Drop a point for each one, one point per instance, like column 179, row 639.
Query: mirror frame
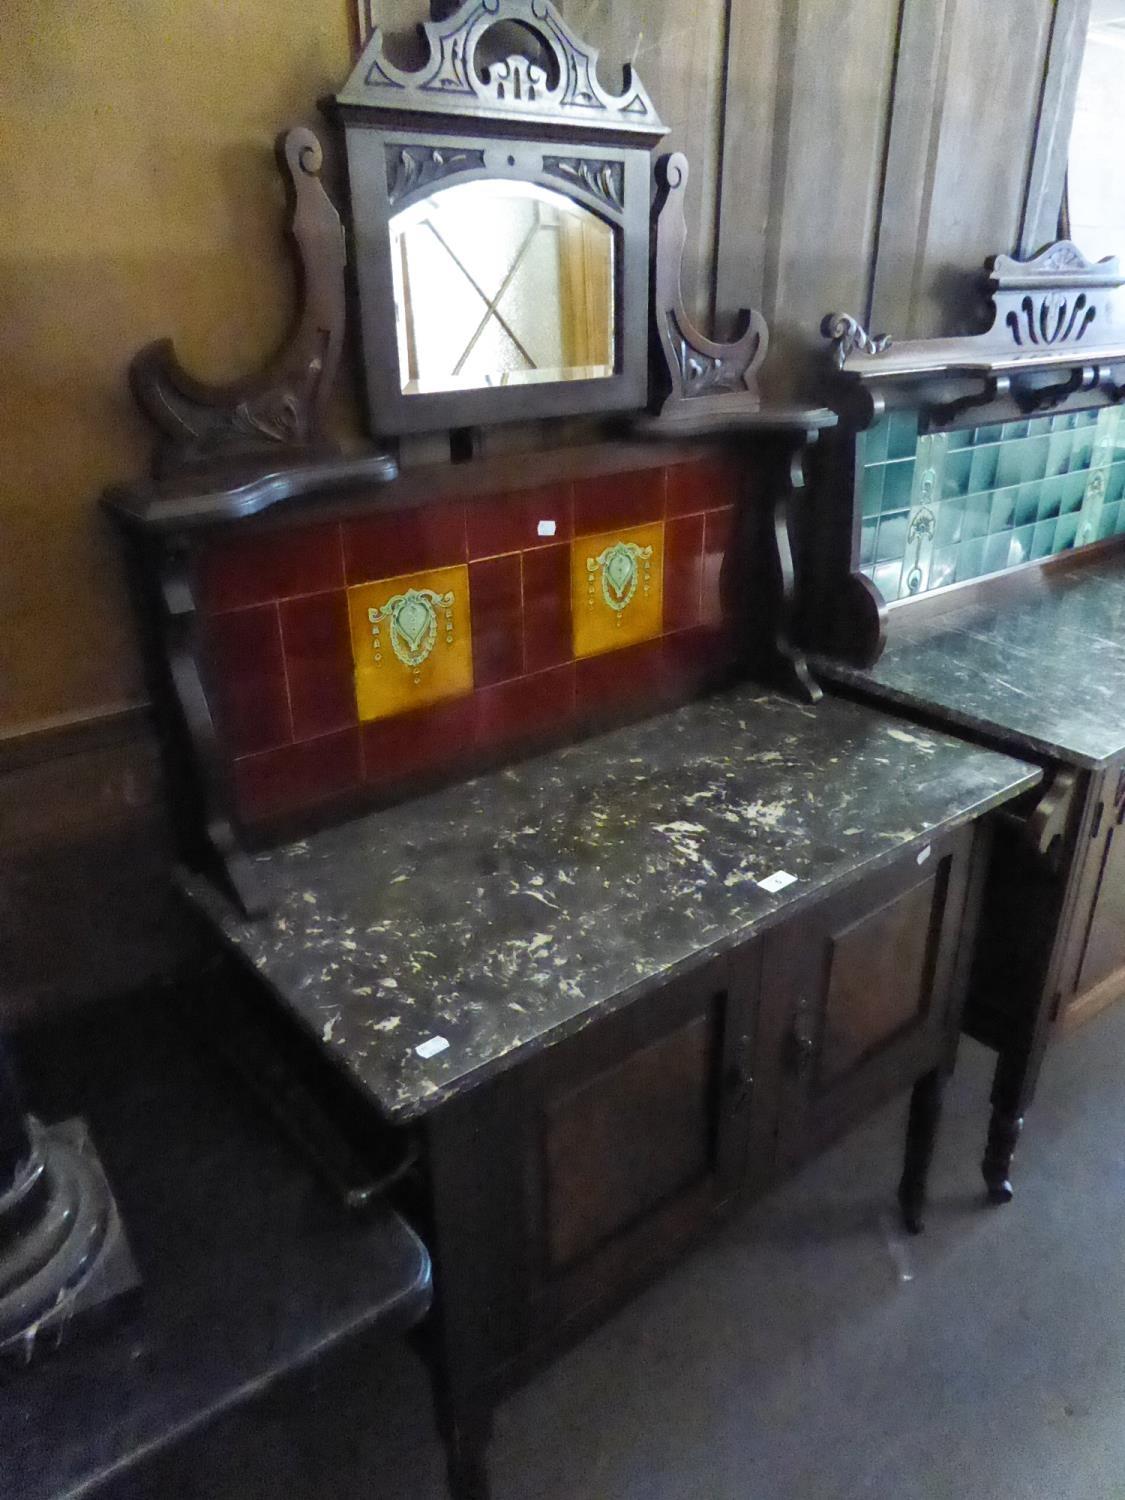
column 409, row 134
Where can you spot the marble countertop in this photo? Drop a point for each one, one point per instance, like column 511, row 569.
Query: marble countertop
column 514, row 909
column 1045, row 674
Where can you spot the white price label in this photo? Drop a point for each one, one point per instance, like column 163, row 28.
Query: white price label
column 777, row 882
column 432, row 1047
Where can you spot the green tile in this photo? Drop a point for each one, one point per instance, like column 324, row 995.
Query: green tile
column 875, row 441
column 1115, row 485
column 1083, row 449
column 871, row 486
column 892, row 537
column 1027, row 503
column 1059, row 446
column 902, row 439
column 988, row 434
column 887, row 577
column 996, row 552
column 1016, row 429
column 1073, row 491
column 982, row 475
column 970, row 560
column 943, row 567
column 1064, row 421
column 1019, row 549
column 1043, row 540
column 955, row 475
column 1003, row 511
column 950, row 521
column 1086, row 417
column 1038, row 425
column 1035, row 454
column 867, row 533
column 1050, row 498
column 960, row 437
column 1121, row 518
column 1066, row 529
column 898, row 482
column 977, row 510
column 1108, row 521
column 1009, row 469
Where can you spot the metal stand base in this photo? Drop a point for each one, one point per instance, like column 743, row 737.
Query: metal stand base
column 63, row 1251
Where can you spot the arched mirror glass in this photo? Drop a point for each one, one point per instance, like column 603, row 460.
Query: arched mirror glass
column 502, row 283
column 1095, row 177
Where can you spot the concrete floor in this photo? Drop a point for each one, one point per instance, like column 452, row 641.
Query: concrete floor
column 810, row 1351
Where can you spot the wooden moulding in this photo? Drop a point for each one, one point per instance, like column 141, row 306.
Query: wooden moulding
column 1056, row 339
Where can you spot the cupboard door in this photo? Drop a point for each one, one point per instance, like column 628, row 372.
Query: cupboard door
column 1103, row 952
column 861, row 995
column 635, row 1135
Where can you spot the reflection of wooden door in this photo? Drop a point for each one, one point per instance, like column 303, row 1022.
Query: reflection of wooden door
column 1101, row 964
column 862, row 997
column 586, row 291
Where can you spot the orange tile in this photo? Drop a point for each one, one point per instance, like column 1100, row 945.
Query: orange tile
column 617, row 588
column 412, row 641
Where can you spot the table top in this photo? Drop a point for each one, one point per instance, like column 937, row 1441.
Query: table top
column 249, row 1269
column 1044, row 675
column 432, row 944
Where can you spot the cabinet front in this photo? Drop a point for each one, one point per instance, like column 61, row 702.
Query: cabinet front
column 861, row 995
column 1100, row 969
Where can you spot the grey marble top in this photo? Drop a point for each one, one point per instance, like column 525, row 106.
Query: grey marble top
column 1045, row 675
column 518, row 907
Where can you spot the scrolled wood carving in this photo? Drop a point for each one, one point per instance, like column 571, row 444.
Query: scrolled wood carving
column 282, row 408
column 847, row 336
column 699, row 370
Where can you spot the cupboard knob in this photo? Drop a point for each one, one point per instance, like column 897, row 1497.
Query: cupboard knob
column 803, row 1041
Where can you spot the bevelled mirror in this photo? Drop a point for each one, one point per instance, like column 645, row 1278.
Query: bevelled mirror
column 500, row 224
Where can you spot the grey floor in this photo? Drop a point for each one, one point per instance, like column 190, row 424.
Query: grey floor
column 810, row 1351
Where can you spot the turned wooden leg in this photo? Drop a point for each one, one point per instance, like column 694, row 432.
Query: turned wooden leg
column 466, row 1437
column 921, row 1135
column 1003, row 1133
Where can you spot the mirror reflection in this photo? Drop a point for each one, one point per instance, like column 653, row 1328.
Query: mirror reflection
column 501, row 283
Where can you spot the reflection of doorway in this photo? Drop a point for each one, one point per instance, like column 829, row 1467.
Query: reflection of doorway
column 501, row 284
column 1095, row 208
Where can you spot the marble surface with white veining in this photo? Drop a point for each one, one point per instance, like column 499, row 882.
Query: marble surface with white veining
column 514, row 909
column 1044, row 675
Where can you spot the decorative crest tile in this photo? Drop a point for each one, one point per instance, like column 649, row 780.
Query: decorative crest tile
column 411, row 641
column 616, row 589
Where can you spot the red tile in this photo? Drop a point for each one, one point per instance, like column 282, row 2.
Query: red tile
column 496, row 605
column 389, row 543
column 683, row 572
column 525, row 710
column 703, row 484
column 510, row 523
column 257, row 567
column 318, row 663
column 619, row 683
column 718, row 534
column 438, row 738
column 695, row 661
column 546, row 608
column 297, row 777
column 611, row 502
column 247, row 674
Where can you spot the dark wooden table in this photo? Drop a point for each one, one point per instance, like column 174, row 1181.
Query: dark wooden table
column 251, row 1270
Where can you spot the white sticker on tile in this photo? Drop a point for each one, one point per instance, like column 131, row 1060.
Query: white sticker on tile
column 547, row 528
column 777, row 882
column 924, row 854
column 432, row 1047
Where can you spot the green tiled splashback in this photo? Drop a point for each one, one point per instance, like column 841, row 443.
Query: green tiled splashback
column 947, row 506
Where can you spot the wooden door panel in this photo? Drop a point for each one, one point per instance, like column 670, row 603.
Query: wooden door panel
column 628, row 1139
column 878, row 980
column 857, row 995
column 1104, row 951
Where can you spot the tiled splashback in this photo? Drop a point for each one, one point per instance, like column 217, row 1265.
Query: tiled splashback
column 398, row 645
column 948, row 506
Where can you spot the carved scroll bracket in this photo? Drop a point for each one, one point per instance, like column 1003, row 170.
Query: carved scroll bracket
column 282, row 410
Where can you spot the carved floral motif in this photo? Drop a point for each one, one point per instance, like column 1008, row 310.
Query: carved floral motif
column 604, row 179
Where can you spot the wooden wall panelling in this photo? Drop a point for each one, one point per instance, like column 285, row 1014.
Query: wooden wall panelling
column 832, row 79
column 1070, row 22
column 969, row 87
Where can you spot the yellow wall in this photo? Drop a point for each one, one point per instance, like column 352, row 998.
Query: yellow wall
column 138, row 198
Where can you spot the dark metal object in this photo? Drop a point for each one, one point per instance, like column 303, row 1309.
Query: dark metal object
column 252, row 1271
column 63, row 1251
column 543, row 119
column 281, row 410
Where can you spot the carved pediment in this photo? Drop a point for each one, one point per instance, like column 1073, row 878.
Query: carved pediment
column 556, row 82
